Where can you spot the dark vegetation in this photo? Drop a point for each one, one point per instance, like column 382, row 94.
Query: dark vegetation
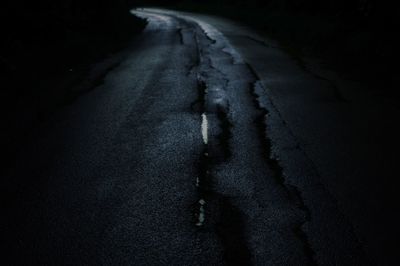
column 47, row 47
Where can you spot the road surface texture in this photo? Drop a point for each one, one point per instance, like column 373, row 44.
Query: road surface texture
column 206, row 145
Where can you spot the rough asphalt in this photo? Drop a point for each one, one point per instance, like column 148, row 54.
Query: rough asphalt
column 169, row 162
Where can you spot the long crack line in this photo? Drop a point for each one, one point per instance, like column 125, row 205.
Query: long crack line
column 292, row 191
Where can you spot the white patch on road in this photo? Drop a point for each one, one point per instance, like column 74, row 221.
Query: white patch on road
column 155, row 21
column 204, row 128
column 202, row 216
column 210, row 31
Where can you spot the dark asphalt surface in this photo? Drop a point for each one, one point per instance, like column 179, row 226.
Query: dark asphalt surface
column 167, row 163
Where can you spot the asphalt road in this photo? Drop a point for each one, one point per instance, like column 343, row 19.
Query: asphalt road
column 169, row 162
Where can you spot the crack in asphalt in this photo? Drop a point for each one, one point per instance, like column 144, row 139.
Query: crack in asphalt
column 292, row 191
column 198, row 104
column 180, row 34
column 224, row 218
column 224, row 137
column 214, row 211
column 196, row 60
column 226, row 133
column 296, row 194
